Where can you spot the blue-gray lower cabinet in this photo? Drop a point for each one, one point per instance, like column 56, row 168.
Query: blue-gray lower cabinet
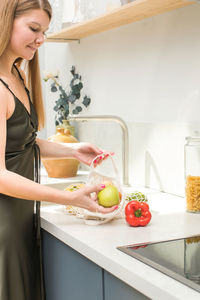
column 115, row 289
column 69, row 275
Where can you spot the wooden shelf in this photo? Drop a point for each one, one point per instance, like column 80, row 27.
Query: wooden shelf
column 129, row 13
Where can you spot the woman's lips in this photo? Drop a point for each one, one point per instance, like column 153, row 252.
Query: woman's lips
column 32, row 48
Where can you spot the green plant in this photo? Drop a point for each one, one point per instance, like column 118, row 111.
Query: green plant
column 69, row 102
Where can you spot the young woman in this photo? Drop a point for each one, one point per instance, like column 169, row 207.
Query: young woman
column 23, row 24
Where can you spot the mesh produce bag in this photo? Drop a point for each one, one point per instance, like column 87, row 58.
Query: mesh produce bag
column 104, row 173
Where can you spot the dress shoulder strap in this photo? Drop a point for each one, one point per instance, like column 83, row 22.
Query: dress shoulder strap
column 22, row 79
column 20, row 76
column 6, row 85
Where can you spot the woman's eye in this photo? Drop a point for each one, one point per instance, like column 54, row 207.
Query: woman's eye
column 38, row 30
column 34, row 29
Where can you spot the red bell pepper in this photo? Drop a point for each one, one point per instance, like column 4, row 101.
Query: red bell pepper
column 137, row 213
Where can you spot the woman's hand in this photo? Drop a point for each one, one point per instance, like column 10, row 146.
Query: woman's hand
column 86, row 153
column 86, row 197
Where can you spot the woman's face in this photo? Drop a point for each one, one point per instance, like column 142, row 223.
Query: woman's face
column 28, row 33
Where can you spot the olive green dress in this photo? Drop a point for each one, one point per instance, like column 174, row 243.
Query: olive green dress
column 20, row 245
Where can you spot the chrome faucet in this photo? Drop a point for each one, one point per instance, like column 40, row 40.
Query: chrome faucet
column 125, row 144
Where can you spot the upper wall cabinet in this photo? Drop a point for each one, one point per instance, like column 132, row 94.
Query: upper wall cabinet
column 129, row 13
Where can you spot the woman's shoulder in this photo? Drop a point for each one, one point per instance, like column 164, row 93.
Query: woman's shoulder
column 3, row 89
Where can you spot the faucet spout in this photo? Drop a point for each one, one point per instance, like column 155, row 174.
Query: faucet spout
column 125, row 144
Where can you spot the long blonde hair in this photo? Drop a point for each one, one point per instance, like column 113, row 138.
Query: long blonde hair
column 9, row 10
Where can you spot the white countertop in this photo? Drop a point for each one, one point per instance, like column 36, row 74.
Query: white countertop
column 81, row 176
column 98, row 243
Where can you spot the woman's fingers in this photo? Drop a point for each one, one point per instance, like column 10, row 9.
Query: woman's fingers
column 95, row 188
column 95, row 207
column 102, row 157
column 106, row 210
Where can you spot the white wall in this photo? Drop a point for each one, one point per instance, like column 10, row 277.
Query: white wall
column 148, row 73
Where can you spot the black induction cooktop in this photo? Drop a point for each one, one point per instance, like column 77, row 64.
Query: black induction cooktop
column 179, row 258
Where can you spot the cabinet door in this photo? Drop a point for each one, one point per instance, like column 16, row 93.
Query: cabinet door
column 115, row 289
column 68, row 274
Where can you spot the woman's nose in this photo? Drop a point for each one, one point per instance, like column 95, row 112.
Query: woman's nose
column 40, row 39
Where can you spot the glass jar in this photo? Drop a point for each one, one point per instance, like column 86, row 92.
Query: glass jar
column 90, row 9
column 56, row 20
column 68, row 13
column 112, row 4
column 79, row 11
column 123, row 2
column 191, row 258
column 192, row 174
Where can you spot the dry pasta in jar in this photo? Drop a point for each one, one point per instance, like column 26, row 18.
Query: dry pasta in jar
column 192, row 173
column 192, row 192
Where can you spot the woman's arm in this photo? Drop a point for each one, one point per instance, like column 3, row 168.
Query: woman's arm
column 53, row 150
column 18, row 186
column 84, row 152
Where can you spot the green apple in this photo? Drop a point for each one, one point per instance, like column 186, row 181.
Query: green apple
column 109, row 196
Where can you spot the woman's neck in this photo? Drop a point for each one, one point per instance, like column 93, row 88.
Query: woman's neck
column 6, row 64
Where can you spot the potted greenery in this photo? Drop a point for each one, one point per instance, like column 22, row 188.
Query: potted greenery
column 68, row 102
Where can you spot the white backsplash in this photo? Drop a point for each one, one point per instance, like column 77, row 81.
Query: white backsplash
column 157, row 155
column 156, row 151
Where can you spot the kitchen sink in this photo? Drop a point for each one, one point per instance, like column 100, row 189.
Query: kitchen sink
column 177, row 258
column 62, row 185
